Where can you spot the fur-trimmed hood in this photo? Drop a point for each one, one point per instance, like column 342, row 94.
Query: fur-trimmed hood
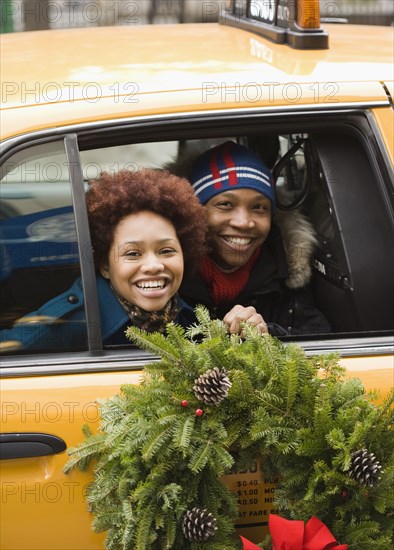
column 299, row 240
column 298, row 235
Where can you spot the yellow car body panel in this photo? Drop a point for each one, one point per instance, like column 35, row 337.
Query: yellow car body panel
column 376, row 373
column 31, row 119
column 33, row 488
column 390, row 87
column 146, row 71
column 385, row 122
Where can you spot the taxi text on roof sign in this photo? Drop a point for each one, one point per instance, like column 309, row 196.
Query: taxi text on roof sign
column 292, row 22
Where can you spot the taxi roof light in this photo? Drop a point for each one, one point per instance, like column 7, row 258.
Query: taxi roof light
column 308, row 14
column 292, row 22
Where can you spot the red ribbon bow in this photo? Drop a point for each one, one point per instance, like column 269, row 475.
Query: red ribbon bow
column 295, row 535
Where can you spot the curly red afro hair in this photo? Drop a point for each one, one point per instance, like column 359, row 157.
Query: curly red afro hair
column 112, row 197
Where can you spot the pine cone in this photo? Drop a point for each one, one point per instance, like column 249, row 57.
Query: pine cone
column 365, row 468
column 212, row 386
column 198, row 525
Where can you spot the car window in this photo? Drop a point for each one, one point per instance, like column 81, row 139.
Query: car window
column 39, row 252
column 126, row 157
column 342, row 200
column 332, row 180
column 40, row 258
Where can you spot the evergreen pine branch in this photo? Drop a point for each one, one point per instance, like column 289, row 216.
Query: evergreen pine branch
column 270, row 402
column 82, row 456
column 144, row 531
column 170, row 495
column 290, row 379
column 113, row 540
column 176, row 336
column 206, row 327
column 203, row 317
column 200, row 457
column 154, row 342
column 387, row 405
column 183, row 432
column 242, row 389
column 358, row 534
column 384, row 497
column 128, row 535
column 105, row 487
column 169, row 528
column 271, row 349
column 330, row 366
column 220, row 358
column 111, row 410
column 106, row 520
column 223, row 459
column 157, row 440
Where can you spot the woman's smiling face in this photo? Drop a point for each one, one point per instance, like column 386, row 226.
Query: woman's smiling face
column 145, row 263
column 239, row 222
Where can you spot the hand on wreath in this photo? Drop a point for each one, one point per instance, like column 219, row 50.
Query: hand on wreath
column 239, row 314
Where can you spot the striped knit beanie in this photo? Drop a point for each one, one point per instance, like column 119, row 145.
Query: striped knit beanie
column 230, row 166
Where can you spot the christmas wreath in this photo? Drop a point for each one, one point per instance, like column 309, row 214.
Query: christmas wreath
column 213, row 402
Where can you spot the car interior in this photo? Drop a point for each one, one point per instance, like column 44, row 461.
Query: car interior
column 332, row 179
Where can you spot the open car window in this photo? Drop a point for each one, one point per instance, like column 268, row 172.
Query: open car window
column 330, row 178
column 327, row 177
column 39, row 253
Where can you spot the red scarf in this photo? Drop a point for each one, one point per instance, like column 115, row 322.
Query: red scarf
column 225, row 287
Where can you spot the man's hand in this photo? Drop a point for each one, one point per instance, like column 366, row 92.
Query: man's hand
column 240, row 314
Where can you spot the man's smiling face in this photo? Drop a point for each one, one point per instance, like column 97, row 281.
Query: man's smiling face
column 239, row 222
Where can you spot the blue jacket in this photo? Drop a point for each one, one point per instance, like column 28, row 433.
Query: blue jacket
column 61, row 323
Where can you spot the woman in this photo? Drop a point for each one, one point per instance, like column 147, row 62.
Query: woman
column 146, row 228
column 245, row 275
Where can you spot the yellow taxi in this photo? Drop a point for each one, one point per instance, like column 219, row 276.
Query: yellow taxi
column 76, row 102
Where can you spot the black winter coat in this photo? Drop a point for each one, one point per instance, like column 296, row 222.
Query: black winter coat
column 286, row 311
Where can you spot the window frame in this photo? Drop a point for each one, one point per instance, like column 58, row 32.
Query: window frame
column 88, row 274
column 71, row 152
column 166, row 128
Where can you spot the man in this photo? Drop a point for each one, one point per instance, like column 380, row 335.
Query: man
column 245, row 275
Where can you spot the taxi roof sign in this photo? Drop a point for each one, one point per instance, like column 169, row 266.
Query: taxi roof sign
column 292, row 22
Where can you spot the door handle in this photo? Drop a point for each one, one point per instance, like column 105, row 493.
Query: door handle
column 28, row 445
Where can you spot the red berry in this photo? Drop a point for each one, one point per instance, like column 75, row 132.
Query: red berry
column 199, row 412
column 184, row 403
